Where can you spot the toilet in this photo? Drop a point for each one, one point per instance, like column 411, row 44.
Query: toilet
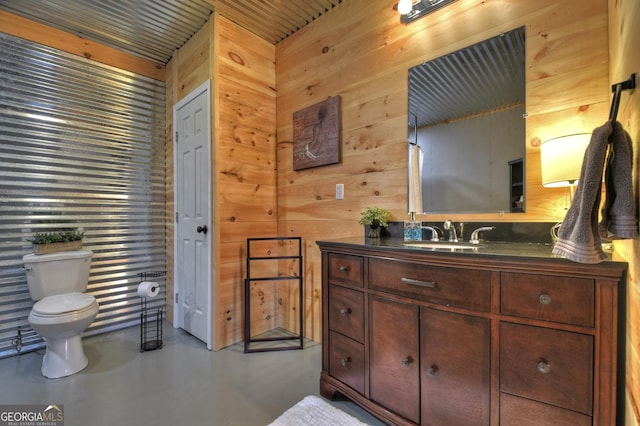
column 62, row 311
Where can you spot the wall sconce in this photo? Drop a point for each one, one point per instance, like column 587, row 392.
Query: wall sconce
column 410, row 10
column 561, row 160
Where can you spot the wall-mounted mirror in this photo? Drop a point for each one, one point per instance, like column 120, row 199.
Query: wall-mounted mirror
column 466, row 114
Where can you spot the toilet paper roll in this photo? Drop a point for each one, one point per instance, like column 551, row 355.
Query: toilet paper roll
column 148, row 289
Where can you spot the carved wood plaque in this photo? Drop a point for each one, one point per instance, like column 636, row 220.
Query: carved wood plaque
column 316, row 135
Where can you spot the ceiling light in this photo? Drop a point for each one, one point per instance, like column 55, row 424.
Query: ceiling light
column 405, row 6
column 419, row 8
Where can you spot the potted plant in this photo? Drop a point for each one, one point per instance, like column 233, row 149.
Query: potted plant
column 57, row 241
column 374, row 217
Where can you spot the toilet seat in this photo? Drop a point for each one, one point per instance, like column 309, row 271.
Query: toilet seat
column 53, row 306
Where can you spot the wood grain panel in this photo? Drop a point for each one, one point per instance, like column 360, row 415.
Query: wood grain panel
column 361, row 52
column 244, row 167
column 624, row 43
column 192, row 66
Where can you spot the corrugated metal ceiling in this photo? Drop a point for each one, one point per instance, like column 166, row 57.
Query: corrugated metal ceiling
column 153, row 29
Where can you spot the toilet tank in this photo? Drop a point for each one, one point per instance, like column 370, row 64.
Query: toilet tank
column 57, row 273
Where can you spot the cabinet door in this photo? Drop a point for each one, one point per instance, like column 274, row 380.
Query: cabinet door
column 455, row 368
column 394, row 368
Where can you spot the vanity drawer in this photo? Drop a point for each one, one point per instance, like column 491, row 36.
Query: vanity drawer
column 346, row 312
column 346, row 361
column 346, row 269
column 546, row 365
column 525, row 412
column 462, row 288
column 551, row 298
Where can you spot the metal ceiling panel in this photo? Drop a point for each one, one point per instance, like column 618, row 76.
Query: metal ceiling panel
column 153, row 29
column 274, row 20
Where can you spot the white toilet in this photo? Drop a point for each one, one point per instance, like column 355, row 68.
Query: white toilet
column 62, row 311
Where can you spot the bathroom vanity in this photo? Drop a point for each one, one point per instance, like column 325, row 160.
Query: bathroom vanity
column 506, row 334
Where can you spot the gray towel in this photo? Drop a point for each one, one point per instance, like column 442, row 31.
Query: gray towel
column 578, row 237
column 618, row 213
column 579, row 234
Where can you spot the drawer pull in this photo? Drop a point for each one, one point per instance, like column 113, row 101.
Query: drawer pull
column 345, row 311
column 544, row 299
column 407, row 361
column 419, row 283
column 343, row 268
column 345, row 361
column 544, row 367
column 432, row 371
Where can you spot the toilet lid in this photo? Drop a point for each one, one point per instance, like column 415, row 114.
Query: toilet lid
column 63, row 303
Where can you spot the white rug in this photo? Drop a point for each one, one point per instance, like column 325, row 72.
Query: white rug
column 315, row 411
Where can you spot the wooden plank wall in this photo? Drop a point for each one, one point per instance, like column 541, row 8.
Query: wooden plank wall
column 361, row 52
column 624, row 42
column 245, row 173
column 241, row 67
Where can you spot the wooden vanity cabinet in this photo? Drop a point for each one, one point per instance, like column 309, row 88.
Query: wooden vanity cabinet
column 417, row 337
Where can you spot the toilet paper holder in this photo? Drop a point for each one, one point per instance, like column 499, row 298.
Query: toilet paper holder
column 150, row 317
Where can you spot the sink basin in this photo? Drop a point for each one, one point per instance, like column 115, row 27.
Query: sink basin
column 444, row 245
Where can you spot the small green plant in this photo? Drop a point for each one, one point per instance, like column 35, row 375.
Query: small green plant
column 57, row 237
column 370, row 214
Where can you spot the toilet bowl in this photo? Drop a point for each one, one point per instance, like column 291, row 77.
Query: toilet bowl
column 62, row 310
column 60, row 320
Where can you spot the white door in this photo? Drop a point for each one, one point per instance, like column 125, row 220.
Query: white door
column 192, row 167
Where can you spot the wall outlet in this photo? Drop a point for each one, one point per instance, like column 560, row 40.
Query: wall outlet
column 339, row 191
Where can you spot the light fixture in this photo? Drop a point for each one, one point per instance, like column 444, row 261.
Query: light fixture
column 405, row 6
column 410, row 10
column 561, row 160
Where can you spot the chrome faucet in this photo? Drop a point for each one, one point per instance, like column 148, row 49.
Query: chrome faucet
column 453, row 236
column 474, row 235
column 435, row 232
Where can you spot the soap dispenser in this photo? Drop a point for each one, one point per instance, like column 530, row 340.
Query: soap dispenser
column 412, row 229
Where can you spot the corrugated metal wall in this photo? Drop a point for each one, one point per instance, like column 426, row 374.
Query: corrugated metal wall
column 81, row 145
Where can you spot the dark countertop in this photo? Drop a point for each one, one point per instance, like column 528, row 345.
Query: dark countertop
column 486, row 248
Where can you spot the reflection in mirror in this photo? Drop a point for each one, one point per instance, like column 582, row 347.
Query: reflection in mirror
column 466, row 114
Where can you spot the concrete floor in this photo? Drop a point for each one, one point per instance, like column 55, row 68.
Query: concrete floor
column 180, row 384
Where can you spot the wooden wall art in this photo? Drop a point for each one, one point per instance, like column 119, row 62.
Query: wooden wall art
column 316, row 135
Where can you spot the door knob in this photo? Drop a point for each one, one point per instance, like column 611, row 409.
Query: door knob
column 202, row 229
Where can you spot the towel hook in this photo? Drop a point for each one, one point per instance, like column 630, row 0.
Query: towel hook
column 617, row 90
